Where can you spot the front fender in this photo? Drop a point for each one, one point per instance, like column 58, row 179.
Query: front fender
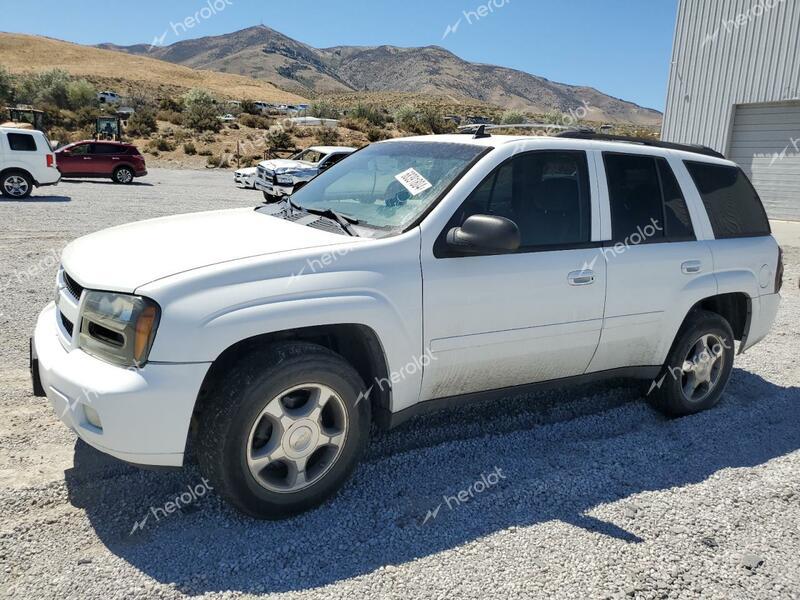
column 376, row 285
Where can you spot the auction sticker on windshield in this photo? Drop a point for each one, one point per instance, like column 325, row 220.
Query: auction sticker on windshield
column 413, row 181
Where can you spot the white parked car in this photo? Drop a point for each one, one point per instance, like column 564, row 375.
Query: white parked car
column 227, row 118
column 418, row 274
column 26, row 161
column 282, row 177
column 109, row 97
column 246, row 177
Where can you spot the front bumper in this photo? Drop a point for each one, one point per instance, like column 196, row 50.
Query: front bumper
column 143, row 414
column 274, row 190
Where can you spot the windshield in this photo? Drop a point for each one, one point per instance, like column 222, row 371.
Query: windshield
column 312, row 156
column 388, row 185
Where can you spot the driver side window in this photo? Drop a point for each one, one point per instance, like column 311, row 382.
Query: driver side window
column 545, row 193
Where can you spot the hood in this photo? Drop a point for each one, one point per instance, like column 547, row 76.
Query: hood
column 283, row 165
column 124, row 258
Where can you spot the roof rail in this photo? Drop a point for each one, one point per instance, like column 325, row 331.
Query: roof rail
column 696, row 149
column 472, row 128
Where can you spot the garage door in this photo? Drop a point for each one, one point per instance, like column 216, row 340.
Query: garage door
column 766, row 143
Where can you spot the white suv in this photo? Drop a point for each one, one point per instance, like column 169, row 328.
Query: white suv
column 26, row 160
column 283, row 177
column 418, row 274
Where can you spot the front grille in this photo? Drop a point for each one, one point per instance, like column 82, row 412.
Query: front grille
column 73, row 287
column 67, row 324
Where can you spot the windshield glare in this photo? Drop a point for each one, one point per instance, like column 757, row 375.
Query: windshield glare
column 312, row 156
column 388, row 185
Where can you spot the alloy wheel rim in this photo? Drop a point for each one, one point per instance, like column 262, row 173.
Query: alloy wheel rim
column 124, row 175
column 702, row 368
column 16, row 185
column 297, row 438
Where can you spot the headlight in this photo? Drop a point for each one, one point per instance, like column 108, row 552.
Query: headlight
column 285, row 179
column 119, row 328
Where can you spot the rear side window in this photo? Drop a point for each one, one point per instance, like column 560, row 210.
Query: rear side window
column 21, row 142
column 646, row 200
column 731, row 201
column 108, row 149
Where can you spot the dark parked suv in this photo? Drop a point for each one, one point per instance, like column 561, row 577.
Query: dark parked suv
column 121, row 162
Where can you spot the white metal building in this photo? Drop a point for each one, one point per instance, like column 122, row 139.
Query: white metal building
column 735, row 86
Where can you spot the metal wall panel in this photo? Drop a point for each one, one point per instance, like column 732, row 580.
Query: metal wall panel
column 727, row 53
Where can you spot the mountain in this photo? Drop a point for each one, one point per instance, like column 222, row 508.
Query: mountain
column 266, row 54
column 126, row 74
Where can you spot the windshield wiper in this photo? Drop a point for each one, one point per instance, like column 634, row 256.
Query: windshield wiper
column 344, row 221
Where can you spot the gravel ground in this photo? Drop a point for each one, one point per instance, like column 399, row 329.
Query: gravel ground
column 580, row 493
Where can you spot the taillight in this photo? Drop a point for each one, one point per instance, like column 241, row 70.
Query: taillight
column 51, row 159
column 779, row 271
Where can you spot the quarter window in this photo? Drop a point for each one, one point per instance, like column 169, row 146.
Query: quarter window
column 21, row 142
column 731, row 201
column 545, row 193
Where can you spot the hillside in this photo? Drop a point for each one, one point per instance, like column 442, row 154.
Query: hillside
column 126, row 73
column 268, row 55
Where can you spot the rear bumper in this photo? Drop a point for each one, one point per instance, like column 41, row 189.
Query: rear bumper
column 143, row 414
column 51, row 179
column 765, row 309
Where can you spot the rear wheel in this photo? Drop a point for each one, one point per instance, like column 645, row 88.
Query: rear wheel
column 698, row 367
column 284, row 430
column 123, row 175
column 16, row 185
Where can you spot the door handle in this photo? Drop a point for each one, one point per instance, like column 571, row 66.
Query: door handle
column 87, row 158
column 581, row 278
column 691, row 267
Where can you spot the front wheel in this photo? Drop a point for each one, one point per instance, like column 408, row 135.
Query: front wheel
column 270, row 199
column 123, row 175
column 698, row 367
column 284, row 429
column 16, row 185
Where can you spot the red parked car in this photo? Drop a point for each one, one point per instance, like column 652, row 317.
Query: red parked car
column 119, row 161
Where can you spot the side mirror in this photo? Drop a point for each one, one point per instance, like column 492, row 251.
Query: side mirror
column 485, row 233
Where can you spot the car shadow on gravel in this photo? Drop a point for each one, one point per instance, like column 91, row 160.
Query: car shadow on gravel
column 109, row 182
column 32, row 199
column 516, row 469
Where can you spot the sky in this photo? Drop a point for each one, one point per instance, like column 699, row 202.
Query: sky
column 621, row 47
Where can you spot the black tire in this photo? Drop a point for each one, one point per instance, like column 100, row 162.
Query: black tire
column 233, row 408
column 16, row 180
column 666, row 393
column 123, row 175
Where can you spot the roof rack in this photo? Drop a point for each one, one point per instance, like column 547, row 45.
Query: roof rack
column 696, row 149
column 472, row 128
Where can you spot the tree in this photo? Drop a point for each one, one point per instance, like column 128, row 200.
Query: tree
column 6, row 87
column 80, row 94
column 142, row 123
column 512, row 117
column 200, row 112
